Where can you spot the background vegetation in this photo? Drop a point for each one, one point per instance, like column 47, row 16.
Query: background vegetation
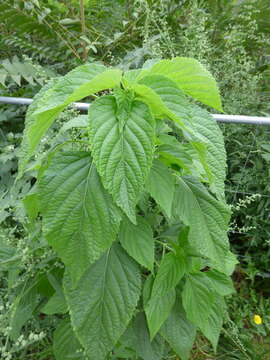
column 42, row 39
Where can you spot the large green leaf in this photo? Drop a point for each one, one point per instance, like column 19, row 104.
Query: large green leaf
column 122, row 148
column 199, row 127
column 160, row 185
column 77, row 84
column 198, row 297
column 65, row 344
column 104, row 301
column 221, row 283
column 156, row 90
column 208, row 221
column 191, row 77
column 203, row 306
column 139, row 339
column 157, row 311
column 212, row 155
column 79, row 219
column 138, row 241
column 211, row 327
column 179, row 332
column 171, row 270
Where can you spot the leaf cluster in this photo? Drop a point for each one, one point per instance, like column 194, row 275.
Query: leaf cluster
column 134, row 208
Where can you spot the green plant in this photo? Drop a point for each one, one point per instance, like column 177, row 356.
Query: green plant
column 134, row 208
column 23, row 70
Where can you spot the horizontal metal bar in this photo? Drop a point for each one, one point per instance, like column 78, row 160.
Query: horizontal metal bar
column 242, row 119
column 233, row 119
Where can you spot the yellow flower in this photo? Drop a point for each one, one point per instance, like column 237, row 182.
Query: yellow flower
column 257, row 319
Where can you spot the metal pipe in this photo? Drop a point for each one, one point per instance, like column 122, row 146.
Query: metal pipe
column 233, row 119
column 242, row 119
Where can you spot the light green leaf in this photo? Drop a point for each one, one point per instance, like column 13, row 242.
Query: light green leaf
column 156, row 91
column 23, row 154
column 65, row 344
column 30, row 203
column 211, row 327
column 197, row 125
column 104, row 301
column 221, row 283
column 81, row 222
column 177, row 155
column 203, row 306
column 138, row 241
column 130, row 77
column 198, row 298
column 171, row 270
column 192, row 78
column 122, row 149
column 208, row 221
column 211, row 151
column 77, row 84
column 179, row 332
column 161, row 184
column 157, row 311
column 56, row 304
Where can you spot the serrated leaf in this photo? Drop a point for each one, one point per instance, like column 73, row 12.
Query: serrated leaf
column 156, row 90
column 179, row 332
column 140, row 340
column 138, row 241
column 104, row 301
column 203, row 306
column 157, row 311
column 221, row 283
column 177, row 156
column 81, row 222
column 192, row 78
column 199, row 127
column 23, row 154
column 198, row 297
column 172, row 268
column 77, row 84
column 211, row 327
column 212, row 154
column 208, row 221
column 65, row 344
column 161, row 184
column 122, row 153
